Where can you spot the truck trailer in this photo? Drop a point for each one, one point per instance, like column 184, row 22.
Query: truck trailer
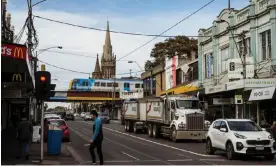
column 177, row 117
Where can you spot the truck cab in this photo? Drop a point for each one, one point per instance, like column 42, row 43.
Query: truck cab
column 187, row 120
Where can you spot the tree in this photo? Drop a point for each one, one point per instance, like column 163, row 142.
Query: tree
column 179, row 45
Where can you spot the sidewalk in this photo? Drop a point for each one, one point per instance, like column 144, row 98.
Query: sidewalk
column 9, row 150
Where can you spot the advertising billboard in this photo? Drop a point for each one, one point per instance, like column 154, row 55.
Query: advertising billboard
column 170, row 68
column 16, row 51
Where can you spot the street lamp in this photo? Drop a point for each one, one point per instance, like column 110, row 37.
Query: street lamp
column 41, row 51
column 136, row 63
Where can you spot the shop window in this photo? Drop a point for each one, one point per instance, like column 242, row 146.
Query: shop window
column 137, row 85
column 103, row 84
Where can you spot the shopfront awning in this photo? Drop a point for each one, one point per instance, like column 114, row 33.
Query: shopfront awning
column 182, row 89
column 262, row 94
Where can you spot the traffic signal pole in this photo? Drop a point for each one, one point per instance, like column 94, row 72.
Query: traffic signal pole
column 42, row 131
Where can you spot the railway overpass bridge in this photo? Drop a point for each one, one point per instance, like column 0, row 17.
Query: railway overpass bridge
column 83, row 96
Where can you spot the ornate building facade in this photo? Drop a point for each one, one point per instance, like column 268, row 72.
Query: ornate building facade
column 107, row 69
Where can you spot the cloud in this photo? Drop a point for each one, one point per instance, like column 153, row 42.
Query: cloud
column 88, row 42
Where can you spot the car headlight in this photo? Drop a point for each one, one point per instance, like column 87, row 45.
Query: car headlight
column 239, row 136
column 270, row 137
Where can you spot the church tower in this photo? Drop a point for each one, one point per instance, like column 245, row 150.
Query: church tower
column 108, row 60
column 97, row 71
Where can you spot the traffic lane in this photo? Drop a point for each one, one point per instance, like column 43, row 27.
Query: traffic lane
column 206, row 158
column 147, row 153
column 114, row 153
column 190, row 145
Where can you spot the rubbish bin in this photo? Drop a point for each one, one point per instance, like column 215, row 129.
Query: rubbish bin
column 54, row 140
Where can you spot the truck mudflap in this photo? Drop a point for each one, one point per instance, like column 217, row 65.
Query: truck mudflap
column 193, row 135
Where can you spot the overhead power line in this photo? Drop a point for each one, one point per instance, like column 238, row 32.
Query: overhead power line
column 80, row 72
column 97, row 29
column 167, row 29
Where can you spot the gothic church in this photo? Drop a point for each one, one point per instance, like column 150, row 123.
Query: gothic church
column 107, row 69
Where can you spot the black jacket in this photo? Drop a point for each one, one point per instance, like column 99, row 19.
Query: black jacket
column 25, row 131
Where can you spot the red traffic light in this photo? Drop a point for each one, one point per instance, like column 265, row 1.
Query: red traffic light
column 42, row 78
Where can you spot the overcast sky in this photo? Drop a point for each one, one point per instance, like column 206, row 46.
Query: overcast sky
column 137, row 16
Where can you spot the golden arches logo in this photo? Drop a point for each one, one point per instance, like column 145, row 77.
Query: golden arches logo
column 16, row 77
column 18, row 53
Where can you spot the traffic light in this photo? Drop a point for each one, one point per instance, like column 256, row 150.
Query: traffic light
column 43, row 87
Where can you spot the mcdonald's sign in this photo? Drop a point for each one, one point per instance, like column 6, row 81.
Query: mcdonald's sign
column 16, row 78
column 16, row 51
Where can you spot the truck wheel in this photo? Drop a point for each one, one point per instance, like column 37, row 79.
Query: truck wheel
column 130, row 128
column 126, row 122
column 135, row 128
column 155, row 131
column 173, row 134
column 150, row 130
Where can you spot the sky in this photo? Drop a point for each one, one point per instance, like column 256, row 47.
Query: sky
column 137, row 16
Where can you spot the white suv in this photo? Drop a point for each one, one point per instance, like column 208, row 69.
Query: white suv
column 240, row 136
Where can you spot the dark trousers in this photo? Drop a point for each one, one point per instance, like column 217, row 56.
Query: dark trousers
column 24, row 148
column 98, row 145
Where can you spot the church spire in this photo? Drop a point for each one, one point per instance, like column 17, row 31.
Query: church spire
column 107, row 50
column 97, row 70
column 107, row 35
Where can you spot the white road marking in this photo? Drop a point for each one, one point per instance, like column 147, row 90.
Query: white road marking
column 118, row 161
column 86, row 144
column 132, row 140
column 182, row 160
column 212, row 159
column 168, row 146
column 130, row 156
column 137, row 151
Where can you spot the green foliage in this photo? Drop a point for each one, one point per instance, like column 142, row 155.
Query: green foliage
column 178, row 45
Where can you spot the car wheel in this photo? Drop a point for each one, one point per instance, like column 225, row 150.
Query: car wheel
column 230, row 151
column 209, row 147
column 173, row 134
column 269, row 157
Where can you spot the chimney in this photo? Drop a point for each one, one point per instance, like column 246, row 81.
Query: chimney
column 8, row 20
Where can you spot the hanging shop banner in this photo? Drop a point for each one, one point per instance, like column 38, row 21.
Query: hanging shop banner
column 262, row 94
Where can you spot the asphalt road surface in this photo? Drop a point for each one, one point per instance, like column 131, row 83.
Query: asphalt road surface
column 122, row 148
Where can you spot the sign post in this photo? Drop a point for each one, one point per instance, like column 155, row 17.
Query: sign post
column 42, row 131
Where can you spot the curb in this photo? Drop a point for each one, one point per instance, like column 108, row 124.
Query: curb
column 73, row 154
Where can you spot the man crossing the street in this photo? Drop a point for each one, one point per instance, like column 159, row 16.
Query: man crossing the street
column 97, row 138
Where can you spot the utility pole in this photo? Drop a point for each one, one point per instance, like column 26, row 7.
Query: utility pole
column 242, row 37
column 229, row 5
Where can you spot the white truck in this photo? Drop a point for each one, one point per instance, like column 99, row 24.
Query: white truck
column 177, row 117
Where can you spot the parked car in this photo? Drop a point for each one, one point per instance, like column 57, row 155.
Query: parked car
column 69, row 117
column 83, row 114
column 87, row 117
column 76, row 114
column 60, row 123
column 104, row 117
column 240, row 136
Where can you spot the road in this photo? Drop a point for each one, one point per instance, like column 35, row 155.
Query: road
column 122, row 148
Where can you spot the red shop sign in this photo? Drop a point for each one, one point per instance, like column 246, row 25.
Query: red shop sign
column 14, row 51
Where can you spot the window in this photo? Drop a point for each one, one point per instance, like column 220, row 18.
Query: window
column 248, row 47
column 224, row 55
column 223, row 125
column 266, row 44
column 84, row 83
column 109, row 84
column 217, row 125
column 96, row 84
column 142, row 85
column 178, row 76
column 126, row 85
column 209, row 65
column 137, row 85
column 243, row 126
column 103, row 84
column 116, row 84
